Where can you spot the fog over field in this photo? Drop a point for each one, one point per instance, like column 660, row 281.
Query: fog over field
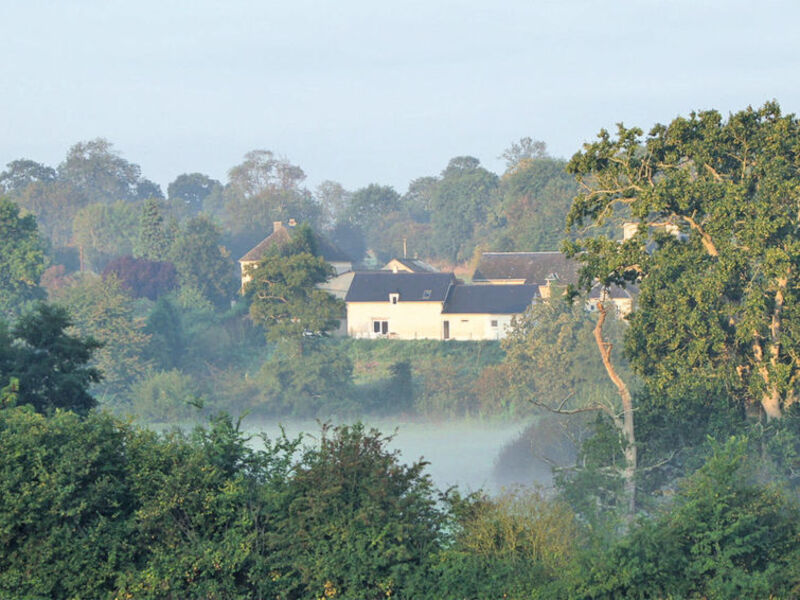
column 464, row 453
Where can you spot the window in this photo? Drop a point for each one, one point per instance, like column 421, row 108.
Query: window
column 393, row 298
column 446, row 330
column 380, row 327
column 426, row 295
column 494, row 323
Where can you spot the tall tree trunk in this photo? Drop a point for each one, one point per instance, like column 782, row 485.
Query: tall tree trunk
column 626, row 423
column 771, row 398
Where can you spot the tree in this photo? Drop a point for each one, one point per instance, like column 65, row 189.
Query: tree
column 202, row 263
column 360, row 524
column 103, row 310
column 104, row 231
column 367, row 205
column 553, row 363
column 192, row 190
column 536, row 197
column 723, row 537
column 146, row 189
column 264, row 189
column 51, row 366
column 66, row 515
column 460, row 204
column 23, row 172
column 526, row 149
column 167, row 335
column 22, row 259
column 320, row 384
column 285, row 299
column 143, row 278
column 55, row 205
column 333, row 199
column 153, row 242
column 716, row 221
column 418, row 199
column 518, row 544
column 99, row 173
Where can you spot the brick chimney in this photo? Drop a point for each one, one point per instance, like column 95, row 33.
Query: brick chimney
column 276, row 225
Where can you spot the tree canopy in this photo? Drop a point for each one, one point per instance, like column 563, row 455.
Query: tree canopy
column 715, row 246
column 50, row 367
column 285, row 299
column 22, row 259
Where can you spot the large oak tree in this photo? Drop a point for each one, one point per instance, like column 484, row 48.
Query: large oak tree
column 715, row 248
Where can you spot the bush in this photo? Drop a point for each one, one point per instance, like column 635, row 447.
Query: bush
column 165, row 396
column 519, row 545
column 318, row 382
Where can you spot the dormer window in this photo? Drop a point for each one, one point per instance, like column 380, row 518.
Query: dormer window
column 426, row 295
column 394, row 298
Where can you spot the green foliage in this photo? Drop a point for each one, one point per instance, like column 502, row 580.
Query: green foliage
column 202, row 263
column 22, row 260
column 724, row 537
column 318, row 382
column 105, row 230
column 49, row 366
column 20, row 174
column 369, row 204
column 552, row 359
column 518, row 545
column 536, row 196
column 261, row 190
column 284, row 297
column 165, row 396
column 717, row 227
column 103, row 310
column 460, row 203
column 360, row 523
column 527, row 149
column 66, row 512
column 367, row 211
column 444, row 377
column 192, row 193
column 95, row 509
column 593, row 486
column 100, row 174
column 153, row 242
column 167, row 335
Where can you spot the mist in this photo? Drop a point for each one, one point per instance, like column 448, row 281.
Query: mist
column 491, row 456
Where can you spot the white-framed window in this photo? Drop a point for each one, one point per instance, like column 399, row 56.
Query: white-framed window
column 380, row 327
column 394, row 298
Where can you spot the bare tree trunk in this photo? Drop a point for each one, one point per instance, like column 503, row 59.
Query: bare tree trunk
column 626, row 423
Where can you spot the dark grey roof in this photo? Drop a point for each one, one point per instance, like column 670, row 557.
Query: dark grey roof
column 533, row 267
column 282, row 236
column 375, row 286
column 490, row 299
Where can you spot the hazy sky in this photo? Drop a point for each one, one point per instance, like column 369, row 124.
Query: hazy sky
column 363, row 91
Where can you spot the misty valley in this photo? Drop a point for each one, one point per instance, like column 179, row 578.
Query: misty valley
column 571, row 379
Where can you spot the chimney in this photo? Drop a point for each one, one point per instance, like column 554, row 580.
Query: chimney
column 292, row 223
column 276, row 225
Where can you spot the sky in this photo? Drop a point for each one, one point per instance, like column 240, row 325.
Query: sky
column 363, row 91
